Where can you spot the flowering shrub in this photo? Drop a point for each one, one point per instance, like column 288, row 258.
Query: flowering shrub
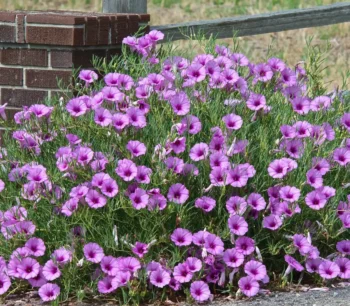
column 174, row 175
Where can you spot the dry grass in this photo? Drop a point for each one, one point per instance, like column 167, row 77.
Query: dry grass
column 288, row 45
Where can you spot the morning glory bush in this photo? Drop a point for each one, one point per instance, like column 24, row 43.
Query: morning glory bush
column 162, row 176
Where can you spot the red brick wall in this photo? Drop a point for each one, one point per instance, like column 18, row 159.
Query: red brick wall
column 39, row 48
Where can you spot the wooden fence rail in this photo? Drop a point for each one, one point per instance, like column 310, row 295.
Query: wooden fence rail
column 260, row 24
column 241, row 26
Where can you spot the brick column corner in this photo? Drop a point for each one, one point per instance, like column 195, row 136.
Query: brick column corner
column 39, row 48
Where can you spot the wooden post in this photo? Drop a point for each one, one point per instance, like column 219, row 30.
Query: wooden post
column 125, row 6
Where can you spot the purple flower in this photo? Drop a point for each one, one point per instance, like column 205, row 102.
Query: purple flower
column 103, row 117
column 70, row 206
column 140, row 249
column 182, row 273
column 233, row 121
column 249, row 286
column 109, row 265
column 180, row 104
column 200, row 291
column 344, row 267
column 83, row 155
column 160, row 278
column 301, row 243
column 207, row 204
column 233, row 258
column 262, row 73
column 278, row 168
column 256, row 201
column 245, row 245
column 288, row 77
column 5, row 283
column 139, row 198
column 289, row 193
column 178, row 145
column 301, row 105
column 321, row 165
column 36, row 247
column 255, row 269
column 136, row 148
column 62, row 256
column 314, row 178
column 95, row 200
column 28, row 268
column 143, row 175
column 256, row 102
column 49, row 292
column 344, row 247
column 236, row 205
column 199, row 238
column 51, row 271
column 196, row 72
column 178, row 194
column 193, row 264
column 199, row 151
column 174, row 284
column 107, row 285
column 288, row 131
column 219, row 160
column 316, row 200
column 319, row 103
column 294, row 148
column 237, row 225
column 213, row 244
column 272, row 222
column 120, row 121
column 136, row 117
column 93, row 252
column 303, row 129
column 341, row 156
column 328, row 269
column 88, row 76
column 109, row 188
column 218, row 176
column 76, row 107
column 129, row 264
column 191, row 124
column 126, row 169
column 181, row 237
column 293, row 263
column 175, row 163
column 345, row 120
column 312, row 265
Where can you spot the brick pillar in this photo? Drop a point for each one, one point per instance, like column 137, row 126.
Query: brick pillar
column 39, row 48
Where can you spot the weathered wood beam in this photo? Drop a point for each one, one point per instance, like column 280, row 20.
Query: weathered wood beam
column 259, row 24
column 125, row 6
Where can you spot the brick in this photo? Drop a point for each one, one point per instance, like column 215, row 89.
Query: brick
column 74, row 58
column 103, row 38
column 61, row 59
column 11, row 76
column 121, row 26
column 7, row 33
column 20, row 97
column 91, row 31
column 144, row 17
column 55, row 36
column 55, row 19
column 133, row 23
column 47, row 78
column 24, row 57
column 21, row 28
column 7, row 16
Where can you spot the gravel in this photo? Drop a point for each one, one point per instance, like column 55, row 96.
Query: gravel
column 333, row 297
